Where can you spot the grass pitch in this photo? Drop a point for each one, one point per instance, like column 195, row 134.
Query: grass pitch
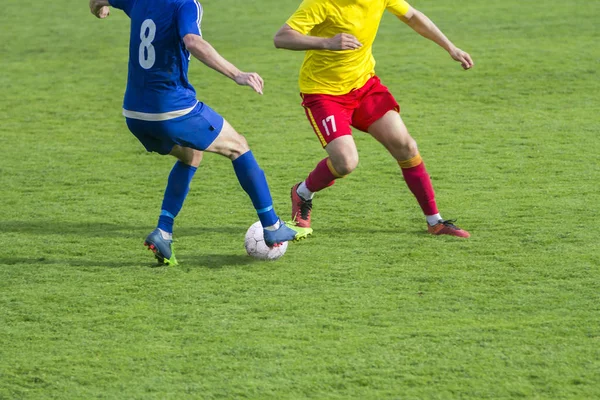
column 370, row 307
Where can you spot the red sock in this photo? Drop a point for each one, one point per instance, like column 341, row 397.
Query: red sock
column 322, row 176
column 419, row 183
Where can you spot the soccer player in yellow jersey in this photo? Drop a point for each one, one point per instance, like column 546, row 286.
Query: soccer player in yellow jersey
column 340, row 90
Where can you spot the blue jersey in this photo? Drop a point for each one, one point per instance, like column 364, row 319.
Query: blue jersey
column 157, row 83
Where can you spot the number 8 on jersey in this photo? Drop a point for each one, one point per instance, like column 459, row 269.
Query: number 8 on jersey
column 147, row 52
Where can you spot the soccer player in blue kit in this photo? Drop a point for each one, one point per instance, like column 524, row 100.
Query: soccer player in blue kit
column 162, row 111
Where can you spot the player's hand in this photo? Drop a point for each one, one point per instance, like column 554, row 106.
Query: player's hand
column 343, row 41
column 462, row 57
column 251, row 79
column 103, row 13
column 99, row 9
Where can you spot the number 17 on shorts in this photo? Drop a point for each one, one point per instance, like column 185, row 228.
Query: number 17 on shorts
column 329, row 119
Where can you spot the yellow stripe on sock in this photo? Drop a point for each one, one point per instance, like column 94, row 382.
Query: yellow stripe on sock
column 332, row 170
column 316, row 127
column 413, row 162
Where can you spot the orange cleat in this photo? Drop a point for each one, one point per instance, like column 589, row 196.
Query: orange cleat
column 447, row 228
column 300, row 208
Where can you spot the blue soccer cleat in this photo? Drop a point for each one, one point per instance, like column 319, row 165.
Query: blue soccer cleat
column 162, row 248
column 285, row 233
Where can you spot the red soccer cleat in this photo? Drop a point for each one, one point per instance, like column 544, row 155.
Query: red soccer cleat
column 447, row 228
column 300, row 208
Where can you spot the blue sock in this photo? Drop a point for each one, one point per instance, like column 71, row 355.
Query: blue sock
column 254, row 182
column 178, row 187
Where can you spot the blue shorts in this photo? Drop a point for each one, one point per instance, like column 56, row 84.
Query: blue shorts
column 197, row 130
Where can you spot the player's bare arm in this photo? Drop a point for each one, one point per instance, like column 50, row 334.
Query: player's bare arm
column 290, row 39
column 421, row 24
column 206, row 54
column 100, row 8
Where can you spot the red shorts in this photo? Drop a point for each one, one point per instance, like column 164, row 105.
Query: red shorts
column 333, row 116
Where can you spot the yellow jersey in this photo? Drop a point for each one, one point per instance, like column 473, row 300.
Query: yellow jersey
column 339, row 72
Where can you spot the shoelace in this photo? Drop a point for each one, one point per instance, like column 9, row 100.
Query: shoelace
column 450, row 223
column 305, row 208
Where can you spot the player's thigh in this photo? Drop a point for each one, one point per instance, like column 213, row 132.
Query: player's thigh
column 329, row 118
column 392, row 133
column 198, row 130
column 207, row 130
column 150, row 135
column 376, row 101
column 229, row 143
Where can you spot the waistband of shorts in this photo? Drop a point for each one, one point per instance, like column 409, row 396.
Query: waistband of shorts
column 370, row 82
column 158, row 116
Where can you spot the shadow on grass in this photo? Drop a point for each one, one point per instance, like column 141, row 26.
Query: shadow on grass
column 212, row 261
column 215, row 261
column 101, row 229
column 73, row 262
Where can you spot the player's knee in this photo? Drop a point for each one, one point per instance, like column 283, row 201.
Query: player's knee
column 345, row 165
column 411, row 147
column 195, row 158
column 191, row 157
column 405, row 149
column 187, row 155
column 239, row 146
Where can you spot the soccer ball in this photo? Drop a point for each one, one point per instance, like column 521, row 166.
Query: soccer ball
column 256, row 246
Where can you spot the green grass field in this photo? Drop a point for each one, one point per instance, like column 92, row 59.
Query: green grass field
column 371, row 307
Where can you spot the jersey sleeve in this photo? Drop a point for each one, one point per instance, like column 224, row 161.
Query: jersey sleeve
column 398, row 7
column 310, row 14
column 189, row 18
column 124, row 5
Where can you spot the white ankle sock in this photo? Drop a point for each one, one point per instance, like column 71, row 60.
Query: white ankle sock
column 165, row 235
column 304, row 192
column 274, row 227
column 433, row 219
